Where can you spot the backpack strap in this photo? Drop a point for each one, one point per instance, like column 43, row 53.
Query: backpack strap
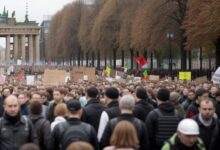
column 113, row 123
column 172, row 145
column 26, row 123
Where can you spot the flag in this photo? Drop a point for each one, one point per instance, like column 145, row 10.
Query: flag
column 141, row 60
column 108, row 71
column 145, row 74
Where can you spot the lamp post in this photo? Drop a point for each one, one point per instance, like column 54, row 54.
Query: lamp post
column 170, row 36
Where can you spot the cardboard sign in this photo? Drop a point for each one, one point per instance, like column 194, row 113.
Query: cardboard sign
column 54, row 77
column 185, row 76
column 201, row 80
column 30, row 79
column 154, row 77
column 78, row 73
column 216, row 76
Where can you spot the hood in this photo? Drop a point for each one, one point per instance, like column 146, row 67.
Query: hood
column 34, row 118
column 166, row 107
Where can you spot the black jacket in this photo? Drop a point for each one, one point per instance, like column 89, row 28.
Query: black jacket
column 58, row 132
column 92, row 113
column 209, row 135
column 12, row 136
column 142, row 132
column 141, row 109
column 113, row 109
column 151, row 122
column 217, row 109
column 192, row 110
column 42, row 127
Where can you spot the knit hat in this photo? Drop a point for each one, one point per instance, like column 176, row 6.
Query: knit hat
column 73, row 105
column 92, row 92
column 112, row 93
column 141, row 93
column 163, row 94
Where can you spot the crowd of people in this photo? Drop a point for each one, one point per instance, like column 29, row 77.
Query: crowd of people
column 163, row 115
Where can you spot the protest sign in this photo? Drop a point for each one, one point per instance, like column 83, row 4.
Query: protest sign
column 216, row 76
column 54, row 77
column 185, row 76
column 154, row 77
column 30, row 79
column 82, row 73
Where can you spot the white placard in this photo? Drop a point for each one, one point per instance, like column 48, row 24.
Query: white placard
column 85, row 77
column 216, row 76
column 30, row 80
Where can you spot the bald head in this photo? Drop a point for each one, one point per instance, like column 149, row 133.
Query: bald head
column 11, row 105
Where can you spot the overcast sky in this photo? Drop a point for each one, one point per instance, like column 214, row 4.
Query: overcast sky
column 37, row 9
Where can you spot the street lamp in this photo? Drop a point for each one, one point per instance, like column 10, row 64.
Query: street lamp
column 170, row 36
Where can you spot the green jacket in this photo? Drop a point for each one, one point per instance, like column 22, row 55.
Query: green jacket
column 172, row 140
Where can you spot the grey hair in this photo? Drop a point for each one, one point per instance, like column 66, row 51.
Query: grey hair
column 127, row 102
column 174, row 96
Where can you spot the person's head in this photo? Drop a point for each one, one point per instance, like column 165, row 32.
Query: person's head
column 11, row 106
column 74, row 108
column 35, row 107
column 124, row 135
column 201, row 94
column 29, row 146
column 217, row 94
column 111, row 94
column 163, row 95
column 185, row 91
column 22, row 98
column 60, row 110
column 191, row 95
column 207, row 109
column 80, row 146
column 213, row 90
column 92, row 92
column 174, row 98
column 36, row 97
column 126, row 104
column 187, row 132
column 58, row 95
column 141, row 93
column 6, row 91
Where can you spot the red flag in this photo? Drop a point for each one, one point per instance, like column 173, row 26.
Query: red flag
column 141, row 60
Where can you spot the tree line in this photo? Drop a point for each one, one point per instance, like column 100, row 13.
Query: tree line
column 113, row 29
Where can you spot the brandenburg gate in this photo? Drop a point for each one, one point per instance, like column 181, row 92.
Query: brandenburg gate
column 22, row 39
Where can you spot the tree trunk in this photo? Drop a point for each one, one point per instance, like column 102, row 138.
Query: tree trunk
column 137, row 55
column 63, row 61
column 190, row 60
column 132, row 58
column 82, row 58
column 114, row 58
column 78, row 60
column 217, row 55
column 105, row 61
column 93, row 59
column 200, row 57
column 182, row 50
column 110, row 59
column 87, row 59
column 145, row 54
column 151, row 60
column 98, row 60
column 210, row 62
column 122, row 58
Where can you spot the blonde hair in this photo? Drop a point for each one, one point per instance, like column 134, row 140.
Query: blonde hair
column 60, row 110
column 124, row 135
column 80, row 146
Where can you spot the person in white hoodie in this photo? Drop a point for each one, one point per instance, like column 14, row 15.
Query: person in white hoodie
column 60, row 112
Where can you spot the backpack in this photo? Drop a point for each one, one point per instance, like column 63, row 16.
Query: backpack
column 73, row 133
column 166, row 126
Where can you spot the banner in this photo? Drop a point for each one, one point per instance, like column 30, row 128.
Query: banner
column 201, row 80
column 54, row 77
column 2, row 79
column 185, row 76
column 154, row 77
column 83, row 73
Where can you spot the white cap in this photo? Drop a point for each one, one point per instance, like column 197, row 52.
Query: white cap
column 188, row 127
